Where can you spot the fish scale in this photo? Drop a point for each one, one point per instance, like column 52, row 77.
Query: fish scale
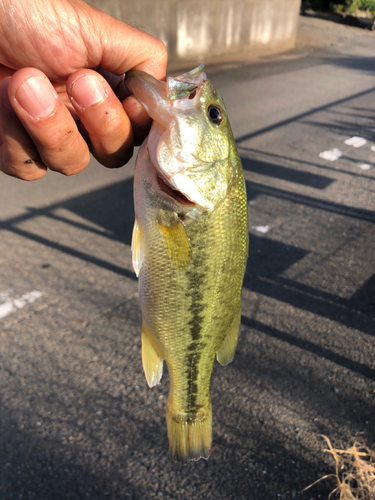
column 190, row 258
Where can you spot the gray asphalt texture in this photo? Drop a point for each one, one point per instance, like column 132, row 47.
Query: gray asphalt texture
column 77, row 419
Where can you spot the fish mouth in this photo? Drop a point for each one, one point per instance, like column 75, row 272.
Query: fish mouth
column 159, row 99
column 176, row 195
column 153, row 95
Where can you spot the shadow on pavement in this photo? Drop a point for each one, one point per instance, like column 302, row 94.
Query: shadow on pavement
column 300, row 116
column 268, row 259
column 285, row 173
column 277, row 158
column 110, row 207
column 328, row 354
column 255, row 189
column 101, row 440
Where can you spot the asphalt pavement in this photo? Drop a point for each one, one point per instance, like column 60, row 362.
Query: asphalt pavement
column 77, row 419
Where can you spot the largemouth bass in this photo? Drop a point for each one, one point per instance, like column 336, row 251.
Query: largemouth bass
column 190, row 247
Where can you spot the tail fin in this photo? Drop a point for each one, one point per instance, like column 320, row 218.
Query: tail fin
column 189, row 436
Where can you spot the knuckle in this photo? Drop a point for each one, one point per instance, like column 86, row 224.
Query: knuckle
column 22, row 164
column 159, row 48
column 114, row 160
column 33, row 175
column 160, row 55
column 22, row 173
column 66, row 152
column 56, row 140
column 73, row 168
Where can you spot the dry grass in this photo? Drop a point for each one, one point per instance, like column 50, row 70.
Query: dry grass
column 354, row 473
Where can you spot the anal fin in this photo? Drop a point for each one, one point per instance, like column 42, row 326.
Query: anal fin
column 152, row 362
column 228, row 348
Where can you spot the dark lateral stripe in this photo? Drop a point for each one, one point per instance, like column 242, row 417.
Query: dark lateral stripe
column 196, row 280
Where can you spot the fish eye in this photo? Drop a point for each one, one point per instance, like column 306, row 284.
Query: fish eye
column 216, row 114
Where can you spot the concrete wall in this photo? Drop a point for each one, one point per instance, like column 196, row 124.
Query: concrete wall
column 207, row 31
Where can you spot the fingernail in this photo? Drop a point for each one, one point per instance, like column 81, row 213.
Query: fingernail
column 87, row 91
column 37, row 97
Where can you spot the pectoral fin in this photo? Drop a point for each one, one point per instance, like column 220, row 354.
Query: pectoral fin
column 177, row 242
column 152, row 362
column 227, row 349
column 137, row 250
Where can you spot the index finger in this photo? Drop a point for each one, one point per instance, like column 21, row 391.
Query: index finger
column 126, row 47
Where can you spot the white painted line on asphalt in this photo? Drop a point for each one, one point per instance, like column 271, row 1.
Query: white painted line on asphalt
column 331, row 155
column 32, row 296
column 372, row 148
column 11, row 305
column 6, row 308
column 356, row 142
column 261, row 229
column 364, row 166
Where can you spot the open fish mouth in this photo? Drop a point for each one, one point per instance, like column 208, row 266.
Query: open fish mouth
column 164, row 102
column 176, row 195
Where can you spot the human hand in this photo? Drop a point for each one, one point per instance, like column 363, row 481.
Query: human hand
column 53, row 108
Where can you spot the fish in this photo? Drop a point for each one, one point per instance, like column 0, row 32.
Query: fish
column 189, row 247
